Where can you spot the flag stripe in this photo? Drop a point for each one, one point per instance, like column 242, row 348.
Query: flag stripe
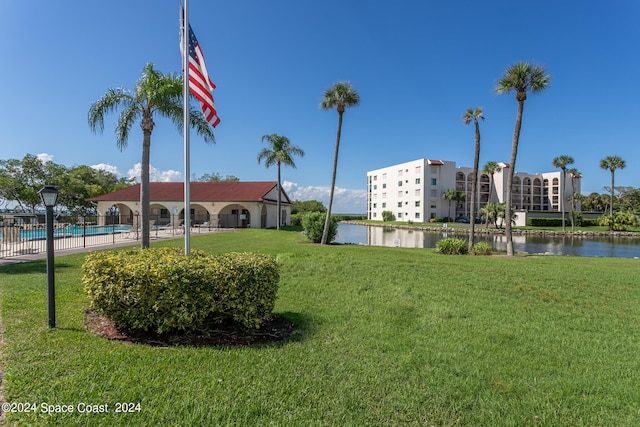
column 200, row 84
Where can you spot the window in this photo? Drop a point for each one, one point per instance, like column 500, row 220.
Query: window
column 417, row 203
column 384, row 195
column 384, row 205
column 399, row 214
column 375, row 214
column 384, row 175
column 375, row 205
column 400, row 183
column 417, row 180
column 375, row 186
column 399, row 205
column 417, row 192
column 375, row 177
column 434, row 181
column 433, row 206
column 400, row 172
column 434, row 193
column 400, row 193
column 418, row 169
column 384, row 185
column 417, row 215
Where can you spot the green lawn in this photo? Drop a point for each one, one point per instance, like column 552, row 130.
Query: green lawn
column 385, row 336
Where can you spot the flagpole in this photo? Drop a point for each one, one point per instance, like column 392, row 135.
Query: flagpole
column 186, row 129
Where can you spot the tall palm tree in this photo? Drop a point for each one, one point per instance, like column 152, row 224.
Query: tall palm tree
column 491, row 168
column 341, row 95
column 154, row 93
column 612, row 163
column 519, row 78
column 452, row 195
column 573, row 172
column 469, row 116
column 562, row 162
column 280, row 153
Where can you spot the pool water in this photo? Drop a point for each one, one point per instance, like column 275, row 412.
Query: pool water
column 74, row 230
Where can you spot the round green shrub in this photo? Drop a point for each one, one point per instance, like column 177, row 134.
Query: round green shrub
column 482, row 248
column 165, row 291
column 313, row 225
column 452, row 246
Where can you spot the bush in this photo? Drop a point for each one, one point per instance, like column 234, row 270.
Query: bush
column 313, row 224
column 544, row 222
column 622, row 220
column 452, row 246
column 388, row 216
column 296, row 219
column 482, row 248
column 165, row 291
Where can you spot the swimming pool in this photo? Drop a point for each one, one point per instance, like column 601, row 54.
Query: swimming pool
column 73, row 231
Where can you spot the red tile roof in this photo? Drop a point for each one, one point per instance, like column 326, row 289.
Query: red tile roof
column 435, row 162
column 200, row 192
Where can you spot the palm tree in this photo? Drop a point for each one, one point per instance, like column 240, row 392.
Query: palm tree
column 562, row 162
column 612, row 163
column 341, row 95
column 519, row 78
column 453, row 195
column 491, row 168
column 153, row 93
column 280, row 153
column 574, row 175
column 469, row 116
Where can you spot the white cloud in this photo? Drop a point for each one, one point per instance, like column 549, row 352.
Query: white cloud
column 155, row 175
column 44, row 157
column 344, row 200
column 107, row 168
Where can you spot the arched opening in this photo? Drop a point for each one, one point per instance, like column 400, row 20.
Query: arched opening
column 234, row 216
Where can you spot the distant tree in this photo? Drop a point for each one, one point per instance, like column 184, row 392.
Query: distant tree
column 21, row 180
column 155, row 93
column 341, row 95
column 629, row 198
column 612, row 163
column 519, row 78
column 469, row 116
column 562, row 162
column 81, row 183
column 281, row 152
column 307, row 206
column 574, row 174
column 216, row 177
column 453, row 196
column 491, row 168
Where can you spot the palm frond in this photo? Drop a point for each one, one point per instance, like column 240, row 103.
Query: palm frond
column 341, row 94
column 113, row 99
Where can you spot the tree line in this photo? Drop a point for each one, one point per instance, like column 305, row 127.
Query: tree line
column 22, row 179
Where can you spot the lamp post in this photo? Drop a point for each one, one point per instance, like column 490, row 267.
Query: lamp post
column 49, row 196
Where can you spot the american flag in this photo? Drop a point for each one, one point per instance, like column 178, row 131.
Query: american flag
column 200, row 84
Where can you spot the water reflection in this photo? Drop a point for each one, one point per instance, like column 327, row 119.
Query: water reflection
column 606, row 246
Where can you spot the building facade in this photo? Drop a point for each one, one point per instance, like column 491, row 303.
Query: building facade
column 217, row 204
column 413, row 191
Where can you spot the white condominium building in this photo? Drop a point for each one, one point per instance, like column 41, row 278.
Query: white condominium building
column 413, row 191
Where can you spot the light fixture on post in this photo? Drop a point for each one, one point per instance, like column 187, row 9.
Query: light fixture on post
column 49, row 196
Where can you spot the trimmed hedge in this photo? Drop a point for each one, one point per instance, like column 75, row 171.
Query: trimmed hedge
column 164, row 291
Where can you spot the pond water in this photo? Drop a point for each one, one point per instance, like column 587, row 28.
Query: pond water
column 605, row 246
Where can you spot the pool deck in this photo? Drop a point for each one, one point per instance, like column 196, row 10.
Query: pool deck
column 121, row 239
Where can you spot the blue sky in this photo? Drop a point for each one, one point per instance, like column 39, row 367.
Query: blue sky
column 417, row 65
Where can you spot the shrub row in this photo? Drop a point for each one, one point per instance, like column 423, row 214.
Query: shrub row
column 165, row 291
column 457, row 246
